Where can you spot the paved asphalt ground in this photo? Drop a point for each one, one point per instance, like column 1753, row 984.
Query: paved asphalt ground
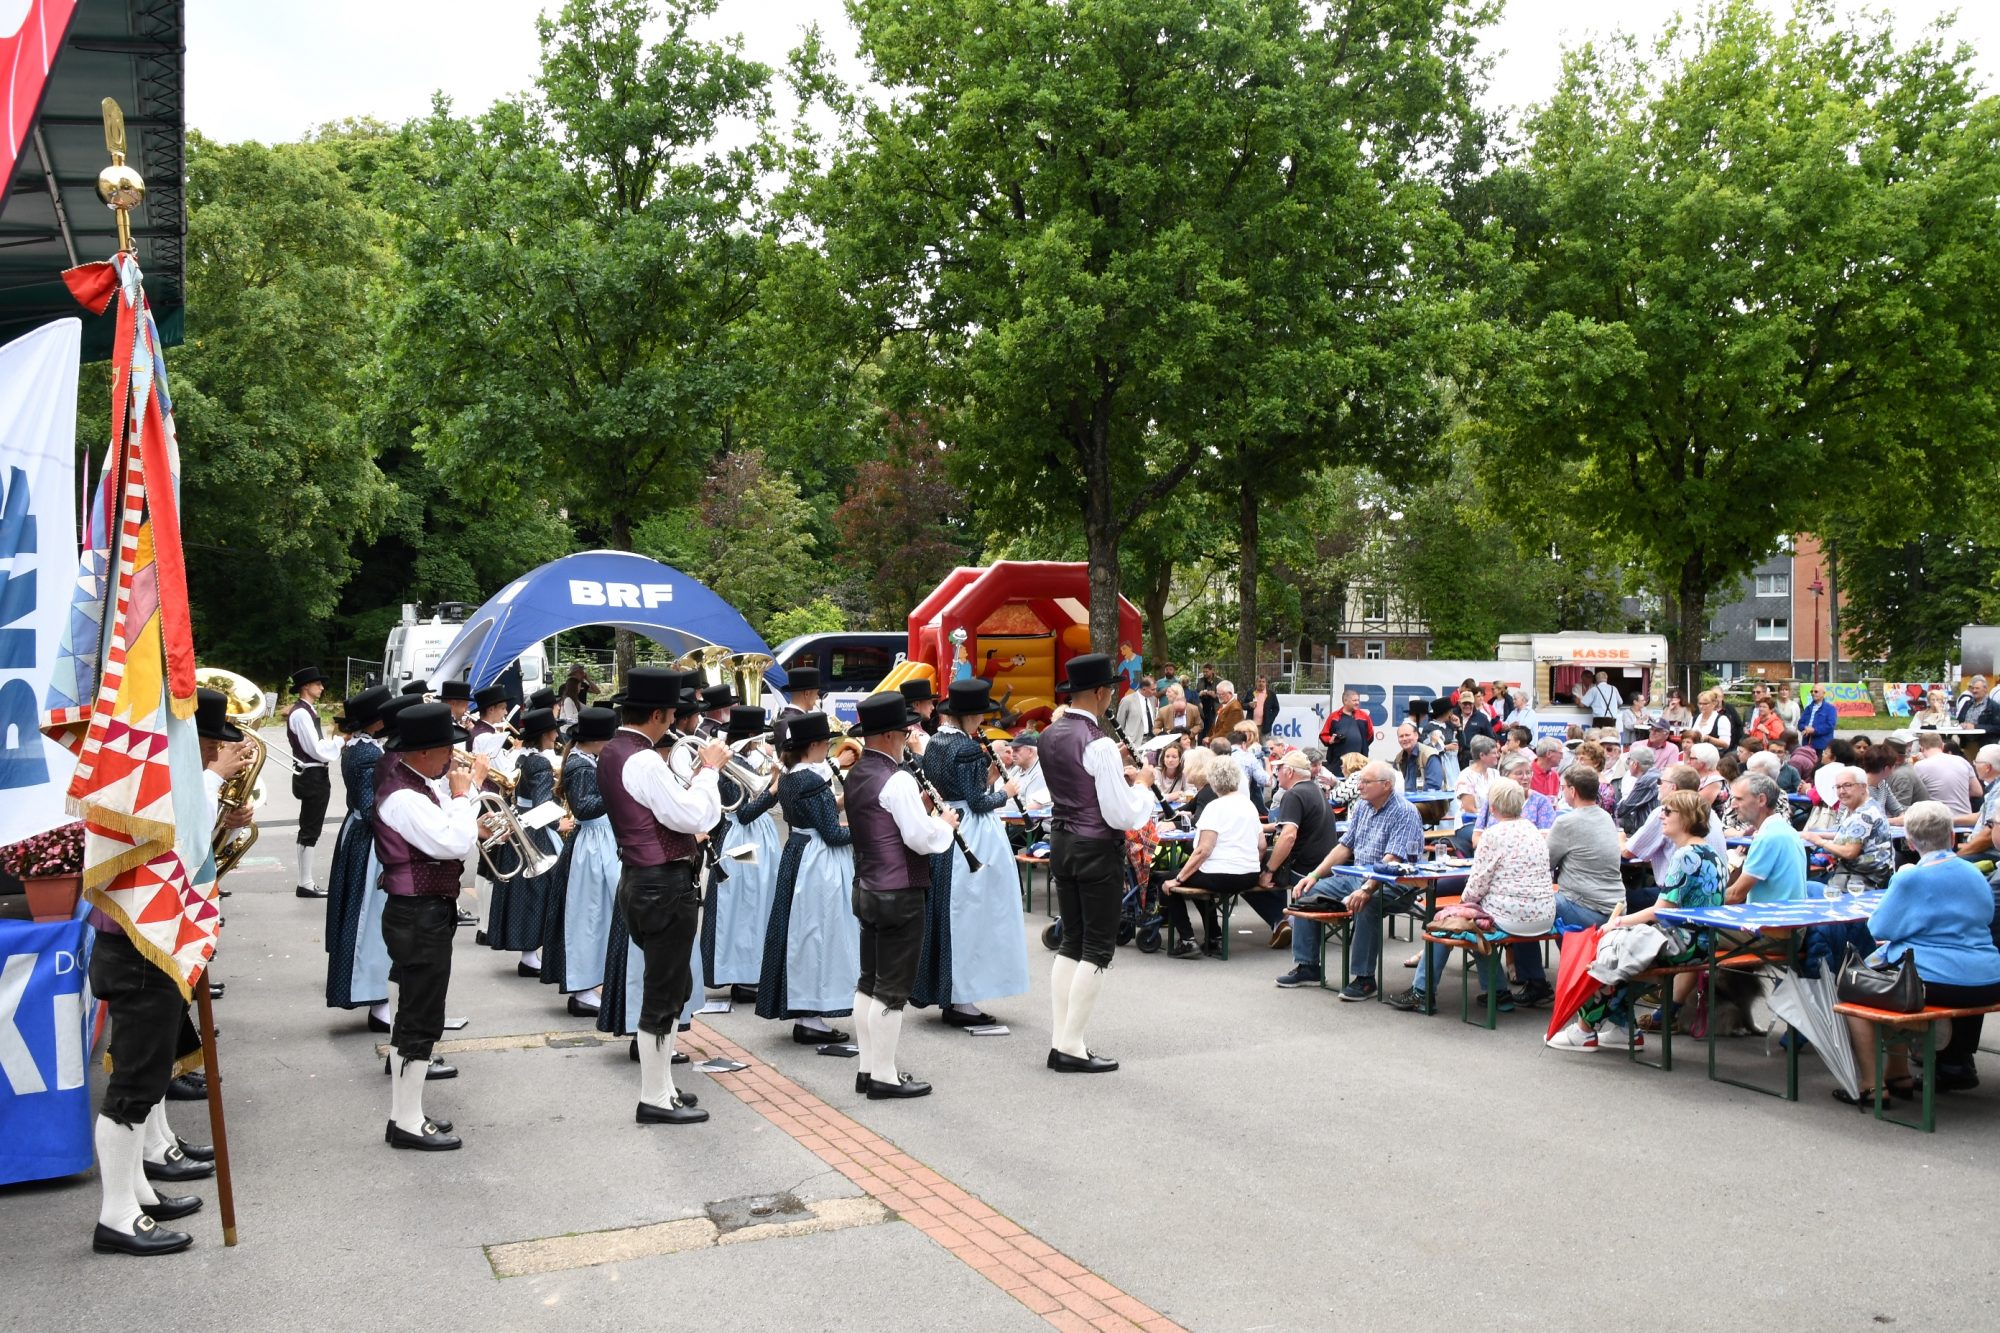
column 1266, row 1159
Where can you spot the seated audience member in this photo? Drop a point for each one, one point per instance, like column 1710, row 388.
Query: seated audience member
column 1775, row 869
column 1642, row 790
column 1881, row 761
column 1946, row 778
column 1345, row 792
column 1692, row 878
column 1539, row 810
column 1302, row 833
column 1650, row 843
column 1980, row 846
column 1588, row 873
column 1676, row 713
column 1703, row 758
column 1509, row 883
column 1228, row 857
column 1711, row 723
column 1765, row 724
column 1938, row 914
column 1659, row 741
column 1517, row 740
column 1935, row 713
column 1863, row 852
column 1545, row 775
column 1172, row 775
column 1382, row 829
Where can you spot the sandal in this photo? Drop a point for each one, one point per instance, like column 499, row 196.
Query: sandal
column 1901, row 1087
column 1865, row 1101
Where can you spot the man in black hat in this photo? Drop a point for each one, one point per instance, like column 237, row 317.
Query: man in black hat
column 313, row 783
column 147, row 1016
column 716, row 701
column 457, row 696
column 802, row 697
column 426, row 825
column 894, row 839
column 489, row 727
column 655, row 818
column 922, row 700
column 418, row 688
column 1096, row 800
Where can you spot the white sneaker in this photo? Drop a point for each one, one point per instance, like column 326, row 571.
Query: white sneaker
column 1611, row 1037
column 1575, row 1037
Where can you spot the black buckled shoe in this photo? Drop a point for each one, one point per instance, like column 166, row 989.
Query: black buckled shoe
column 1088, row 1063
column 435, row 1137
column 742, row 994
column 146, row 1239
column 906, row 1085
column 199, row 1152
column 178, row 1167
column 953, row 1018
column 682, row 1112
column 309, row 891
column 168, row 1207
column 379, row 1025
column 861, row 1082
column 523, row 970
column 217, row 989
column 806, row 1036
column 578, row 1009
column 438, row 1070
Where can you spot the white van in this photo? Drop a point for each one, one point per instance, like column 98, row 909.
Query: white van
column 416, row 646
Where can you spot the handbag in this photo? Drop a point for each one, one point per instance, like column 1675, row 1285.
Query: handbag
column 1896, row 988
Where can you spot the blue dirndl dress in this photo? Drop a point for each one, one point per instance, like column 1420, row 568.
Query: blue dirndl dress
column 812, row 942
column 739, row 901
column 357, row 963
column 520, row 903
column 583, row 898
column 975, row 941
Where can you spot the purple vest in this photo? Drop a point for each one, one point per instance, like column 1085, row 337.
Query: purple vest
column 408, row 872
column 1073, row 791
column 642, row 839
column 299, row 752
column 883, row 863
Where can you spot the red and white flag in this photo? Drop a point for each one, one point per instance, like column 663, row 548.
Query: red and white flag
column 31, row 36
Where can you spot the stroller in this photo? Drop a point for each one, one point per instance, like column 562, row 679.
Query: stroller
column 1141, row 919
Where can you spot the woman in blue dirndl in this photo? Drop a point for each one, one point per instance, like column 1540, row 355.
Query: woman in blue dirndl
column 812, row 942
column 583, row 900
column 357, row 963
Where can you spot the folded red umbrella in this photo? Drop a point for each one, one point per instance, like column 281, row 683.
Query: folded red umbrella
column 1574, row 984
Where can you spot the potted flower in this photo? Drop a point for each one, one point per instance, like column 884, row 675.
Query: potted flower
column 50, row 866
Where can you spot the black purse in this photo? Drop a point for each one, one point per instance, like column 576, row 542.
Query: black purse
column 1896, row 988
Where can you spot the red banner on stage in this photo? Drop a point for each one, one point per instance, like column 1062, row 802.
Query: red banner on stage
column 26, row 56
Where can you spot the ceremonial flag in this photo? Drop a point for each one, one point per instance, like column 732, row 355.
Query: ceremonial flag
column 123, row 695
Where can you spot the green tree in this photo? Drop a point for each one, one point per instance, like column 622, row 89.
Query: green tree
column 286, row 269
column 1907, row 597
column 1033, row 217
column 754, row 544
column 901, row 525
column 1756, row 266
column 584, row 263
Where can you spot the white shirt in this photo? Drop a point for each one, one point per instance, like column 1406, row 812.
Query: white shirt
column 692, row 809
column 922, row 831
column 309, row 739
column 489, row 743
column 211, row 792
column 1603, row 700
column 1034, row 787
column 448, row 830
column 1239, row 835
column 1123, row 805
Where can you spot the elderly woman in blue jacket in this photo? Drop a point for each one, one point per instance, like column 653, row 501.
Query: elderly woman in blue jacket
column 1938, row 914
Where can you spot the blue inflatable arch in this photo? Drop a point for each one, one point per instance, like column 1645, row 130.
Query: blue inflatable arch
column 615, row 588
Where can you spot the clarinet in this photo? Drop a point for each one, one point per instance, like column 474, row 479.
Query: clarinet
column 1032, row 829
column 1111, row 730
column 915, row 769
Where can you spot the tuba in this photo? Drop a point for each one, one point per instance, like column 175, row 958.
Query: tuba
column 711, row 660
column 748, row 670
column 244, row 708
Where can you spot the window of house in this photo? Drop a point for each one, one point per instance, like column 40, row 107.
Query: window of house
column 1774, row 585
column 1374, row 606
column 1773, row 629
column 1373, row 650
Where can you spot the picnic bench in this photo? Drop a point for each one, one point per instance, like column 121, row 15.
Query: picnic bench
column 1225, row 905
column 1894, row 1029
column 1467, row 944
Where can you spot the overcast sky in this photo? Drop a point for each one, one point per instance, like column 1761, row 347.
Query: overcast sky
column 263, row 70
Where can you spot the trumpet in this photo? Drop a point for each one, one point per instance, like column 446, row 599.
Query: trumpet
column 684, row 762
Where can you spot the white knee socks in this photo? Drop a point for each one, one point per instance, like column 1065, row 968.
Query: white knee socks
column 159, row 1136
column 380, row 1012
column 1083, row 991
column 885, row 1025
column 864, row 1039
column 120, row 1161
column 406, row 1093
column 1062, row 975
column 305, row 867
column 656, row 1069
column 815, row 1024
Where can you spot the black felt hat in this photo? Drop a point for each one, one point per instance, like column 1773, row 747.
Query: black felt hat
column 596, row 724
column 651, row 687
column 426, row 727
column 305, row 676
column 491, row 695
column 362, row 708
column 966, row 698
column 211, row 717
column 418, row 687
column 716, row 697
column 536, row 721
column 806, row 729
column 456, row 689
column 917, row 691
column 880, row 714
column 746, row 721
column 1088, row 671
column 543, row 698
column 801, row 678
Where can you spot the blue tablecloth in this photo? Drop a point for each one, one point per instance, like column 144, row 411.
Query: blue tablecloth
column 1777, row 916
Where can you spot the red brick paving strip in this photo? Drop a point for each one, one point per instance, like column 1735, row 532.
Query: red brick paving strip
column 1053, row 1285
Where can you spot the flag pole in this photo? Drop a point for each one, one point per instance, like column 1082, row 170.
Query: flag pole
column 225, row 1193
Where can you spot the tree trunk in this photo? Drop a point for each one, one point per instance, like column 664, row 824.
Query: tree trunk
column 1687, row 608
column 1246, row 576
column 1100, row 534
column 1832, row 613
column 1153, row 602
column 624, row 643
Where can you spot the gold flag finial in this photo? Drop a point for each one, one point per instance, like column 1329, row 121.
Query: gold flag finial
column 120, row 187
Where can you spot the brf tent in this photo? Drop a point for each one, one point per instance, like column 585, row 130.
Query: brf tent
column 615, row 588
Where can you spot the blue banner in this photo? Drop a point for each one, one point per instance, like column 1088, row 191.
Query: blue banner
column 44, row 1050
